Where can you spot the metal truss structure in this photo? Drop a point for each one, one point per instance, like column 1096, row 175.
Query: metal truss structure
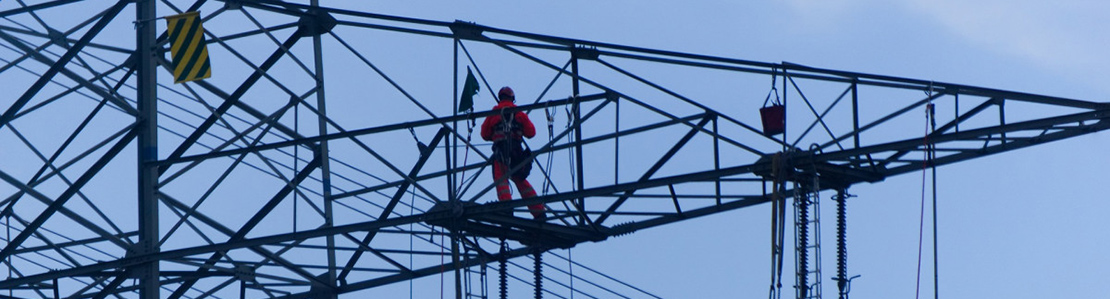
column 319, row 161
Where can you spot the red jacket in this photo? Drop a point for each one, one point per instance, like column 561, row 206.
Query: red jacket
column 490, row 134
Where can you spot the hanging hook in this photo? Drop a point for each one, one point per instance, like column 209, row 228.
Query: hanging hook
column 774, row 89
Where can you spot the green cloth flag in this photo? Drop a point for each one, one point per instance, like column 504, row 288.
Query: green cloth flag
column 470, row 88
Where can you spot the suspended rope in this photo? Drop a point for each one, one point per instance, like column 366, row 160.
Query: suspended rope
column 466, row 156
column 296, row 158
column 570, row 150
column 550, row 113
column 570, row 268
column 926, row 162
column 412, row 208
column 441, row 261
column 932, row 159
column 778, row 216
column 8, row 224
column 606, row 276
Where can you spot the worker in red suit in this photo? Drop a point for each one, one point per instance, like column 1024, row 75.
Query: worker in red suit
column 507, row 131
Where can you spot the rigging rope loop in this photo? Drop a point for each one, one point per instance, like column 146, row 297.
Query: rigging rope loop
column 466, row 152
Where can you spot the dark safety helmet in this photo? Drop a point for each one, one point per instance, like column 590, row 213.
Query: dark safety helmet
column 506, row 94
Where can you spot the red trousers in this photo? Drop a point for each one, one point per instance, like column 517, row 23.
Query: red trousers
column 525, row 188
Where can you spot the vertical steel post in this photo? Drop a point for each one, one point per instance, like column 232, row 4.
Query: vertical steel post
column 933, row 165
column 581, row 184
column 147, row 134
column 451, row 196
column 855, row 112
column 716, row 159
column 786, row 111
column 325, row 169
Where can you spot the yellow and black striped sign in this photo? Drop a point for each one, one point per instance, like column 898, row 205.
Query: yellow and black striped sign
column 190, row 52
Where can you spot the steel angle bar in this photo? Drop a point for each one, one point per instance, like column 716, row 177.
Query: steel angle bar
column 37, row 55
column 623, row 133
column 388, row 209
column 235, row 36
column 44, row 35
column 73, row 243
column 963, row 135
column 239, row 136
column 818, row 118
column 212, row 188
column 365, row 131
column 278, row 43
column 394, row 29
column 951, row 88
column 226, row 246
column 376, row 252
column 383, row 75
column 56, row 204
column 230, row 101
column 298, row 10
column 685, row 99
column 49, row 164
column 111, row 287
column 254, row 220
column 40, row 6
column 944, row 128
column 58, row 170
column 758, row 67
column 51, row 41
column 654, row 168
column 76, row 89
column 59, row 65
column 1101, row 125
column 65, row 144
column 50, row 245
column 545, row 148
column 394, row 184
column 881, row 120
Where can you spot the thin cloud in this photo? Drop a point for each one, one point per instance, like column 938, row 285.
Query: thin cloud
column 1062, row 37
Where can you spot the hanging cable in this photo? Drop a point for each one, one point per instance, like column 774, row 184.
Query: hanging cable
column 550, row 113
column 296, row 158
column 570, row 268
column 466, row 156
column 8, row 224
column 932, row 164
column 570, row 150
column 412, row 208
column 777, row 226
column 442, row 261
column 926, row 161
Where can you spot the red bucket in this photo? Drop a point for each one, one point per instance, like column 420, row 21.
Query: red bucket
column 774, row 119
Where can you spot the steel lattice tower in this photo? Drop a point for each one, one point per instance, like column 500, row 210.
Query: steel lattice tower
column 319, row 161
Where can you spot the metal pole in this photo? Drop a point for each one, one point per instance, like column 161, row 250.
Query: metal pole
column 325, row 169
column 147, row 134
column 451, row 196
column 581, row 184
column 716, row 159
column 855, row 112
column 936, row 274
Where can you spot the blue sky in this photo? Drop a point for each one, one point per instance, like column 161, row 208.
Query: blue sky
column 1017, row 225
column 1023, row 224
